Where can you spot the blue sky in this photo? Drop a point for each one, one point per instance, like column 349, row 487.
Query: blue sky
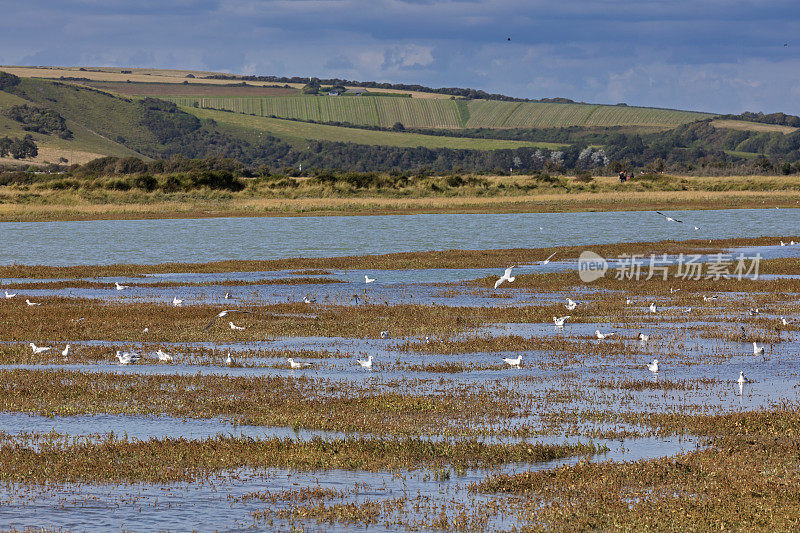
column 721, row 56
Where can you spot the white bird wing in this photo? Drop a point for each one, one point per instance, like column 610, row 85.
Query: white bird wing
column 669, row 218
column 498, row 282
column 507, row 275
column 549, row 258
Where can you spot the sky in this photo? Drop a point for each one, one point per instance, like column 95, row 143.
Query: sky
column 717, row 56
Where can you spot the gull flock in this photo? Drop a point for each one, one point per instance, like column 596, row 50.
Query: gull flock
column 131, row 357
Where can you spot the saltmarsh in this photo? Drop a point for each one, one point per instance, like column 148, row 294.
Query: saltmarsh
column 439, row 399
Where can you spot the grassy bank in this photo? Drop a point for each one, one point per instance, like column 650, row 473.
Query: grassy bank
column 73, row 200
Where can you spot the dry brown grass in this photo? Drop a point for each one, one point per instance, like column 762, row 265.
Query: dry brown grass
column 751, row 126
column 189, row 89
column 150, row 75
column 48, row 155
column 41, row 206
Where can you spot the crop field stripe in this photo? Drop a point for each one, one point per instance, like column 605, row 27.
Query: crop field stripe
column 434, row 113
column 463, row 113
column 589, row 116
column 510, row 112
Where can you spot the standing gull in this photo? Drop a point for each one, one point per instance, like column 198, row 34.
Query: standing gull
column 234, row 326
column 602, row 336
column 30, row 303
column 176, row 302
column 758, row 350
column 368, row 279
column 514, row 362
column 120, row 287
column 9, row 295
column 653, row 367
column 559, row 321
column 365, row 363
column 571, row 304
column 298, row 364
column 65, row 351
column 163, row 356
column 742, row 378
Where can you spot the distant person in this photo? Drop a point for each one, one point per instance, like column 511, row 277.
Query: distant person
column 622, row 176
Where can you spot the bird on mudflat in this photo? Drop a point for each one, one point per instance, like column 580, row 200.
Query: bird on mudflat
column 126, row 358
column 560, row 320
column 39, row 349
column 224, row 313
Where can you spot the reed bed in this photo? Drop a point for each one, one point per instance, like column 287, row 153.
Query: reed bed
column 743, row 480
column 302, row 402
column 171, row 460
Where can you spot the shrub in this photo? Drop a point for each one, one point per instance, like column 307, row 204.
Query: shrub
column 147, row 183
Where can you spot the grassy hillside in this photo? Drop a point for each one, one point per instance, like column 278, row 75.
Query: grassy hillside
column 449, row 114
column 296, row 133
column 86, row 144
column 115, row 119
column 110, row 125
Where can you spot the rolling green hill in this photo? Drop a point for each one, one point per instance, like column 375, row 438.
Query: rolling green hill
column 297, row 133
column 444, row 114
column 277, row 127
column 85, row 144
